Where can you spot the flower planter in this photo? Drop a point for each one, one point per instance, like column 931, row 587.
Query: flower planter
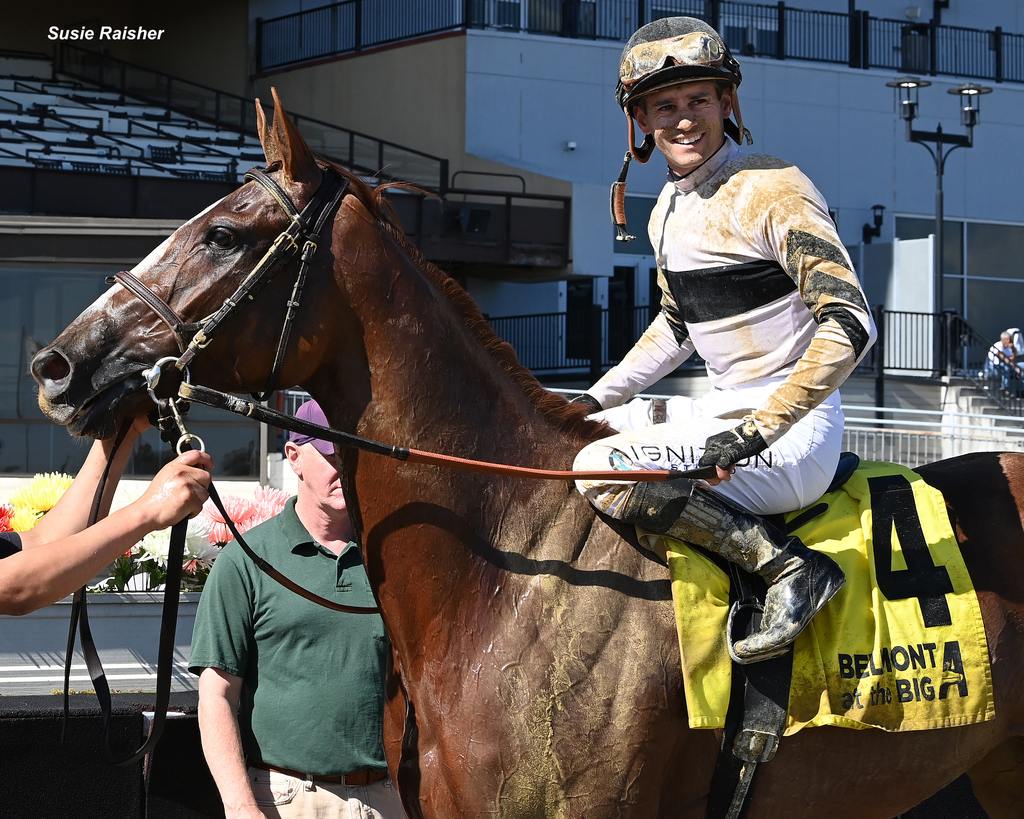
column 126, row 627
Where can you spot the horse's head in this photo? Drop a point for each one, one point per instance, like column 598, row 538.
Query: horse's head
column 90, row 376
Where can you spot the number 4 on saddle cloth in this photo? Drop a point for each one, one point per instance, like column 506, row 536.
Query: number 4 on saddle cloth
column 902, row 645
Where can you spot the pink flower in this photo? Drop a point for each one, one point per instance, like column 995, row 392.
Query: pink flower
column 6, row 514
column 239, row 509
column 267, row 502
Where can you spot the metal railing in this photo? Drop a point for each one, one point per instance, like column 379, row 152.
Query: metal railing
column 932, row 345
column 754, row 29
column 976, row 359
column 350, row 25
column 916, row 437
column 362, row 153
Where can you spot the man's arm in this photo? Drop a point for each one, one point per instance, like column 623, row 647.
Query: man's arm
column 804, row 240
column 47, row 571
column 663, row 347
column 800, row 235
column 71, row 512
column 219, row 696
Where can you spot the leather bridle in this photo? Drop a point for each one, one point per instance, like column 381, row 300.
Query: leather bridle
column 300, row 237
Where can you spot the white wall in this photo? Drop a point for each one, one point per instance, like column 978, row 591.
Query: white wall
column 911, row 285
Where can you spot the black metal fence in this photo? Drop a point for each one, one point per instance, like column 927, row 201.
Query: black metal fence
column 591, row 341
column 754, row 29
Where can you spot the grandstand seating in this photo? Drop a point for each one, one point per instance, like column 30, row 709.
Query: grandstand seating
column 64, row 124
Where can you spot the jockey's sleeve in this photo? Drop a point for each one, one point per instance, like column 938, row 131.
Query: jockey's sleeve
column 801, row 236
column 663, row 347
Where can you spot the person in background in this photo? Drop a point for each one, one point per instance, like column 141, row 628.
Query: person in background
column 291, row 694
column 1002, row 361
column 61, row 554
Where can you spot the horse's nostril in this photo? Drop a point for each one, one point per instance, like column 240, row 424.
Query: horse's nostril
column 51, row 369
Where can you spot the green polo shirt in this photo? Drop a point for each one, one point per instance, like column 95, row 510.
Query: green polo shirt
column 313, row 678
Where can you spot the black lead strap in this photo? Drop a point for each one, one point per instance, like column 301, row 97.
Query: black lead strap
column 165, row 655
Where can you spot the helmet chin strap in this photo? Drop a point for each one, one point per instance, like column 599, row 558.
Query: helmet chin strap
column 643, row 151
column 735, row 130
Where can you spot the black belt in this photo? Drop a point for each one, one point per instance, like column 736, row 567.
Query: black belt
column 357, row 778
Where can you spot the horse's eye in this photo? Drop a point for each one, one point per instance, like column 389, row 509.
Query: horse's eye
column 221, row 238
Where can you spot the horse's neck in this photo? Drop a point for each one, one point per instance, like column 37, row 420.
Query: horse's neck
column 434, row 386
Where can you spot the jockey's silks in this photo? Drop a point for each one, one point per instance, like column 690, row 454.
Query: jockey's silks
column 901, row 647
column 754, row 278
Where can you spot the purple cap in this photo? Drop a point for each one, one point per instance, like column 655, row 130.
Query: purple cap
column 311, row 412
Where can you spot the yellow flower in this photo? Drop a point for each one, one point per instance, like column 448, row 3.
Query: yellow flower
column 24, row 518
column 42, row 494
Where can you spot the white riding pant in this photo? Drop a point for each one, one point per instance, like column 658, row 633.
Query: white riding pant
column 792, row 473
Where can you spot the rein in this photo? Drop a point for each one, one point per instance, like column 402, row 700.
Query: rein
column 258, row 412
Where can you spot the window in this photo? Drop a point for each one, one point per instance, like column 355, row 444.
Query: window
column 952, row 239
column 751, row 34
column 983, row 270
column 995, row 250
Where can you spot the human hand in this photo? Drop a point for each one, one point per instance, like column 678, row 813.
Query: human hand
column 179, row 490
column 725, row 449
column 587, row 400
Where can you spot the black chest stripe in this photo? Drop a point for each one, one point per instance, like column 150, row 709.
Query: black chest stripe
column 722, row 292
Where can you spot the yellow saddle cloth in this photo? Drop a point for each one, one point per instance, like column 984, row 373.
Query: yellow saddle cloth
column 901, row 647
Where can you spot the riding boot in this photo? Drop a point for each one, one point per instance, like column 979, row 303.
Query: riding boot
column 800, row 581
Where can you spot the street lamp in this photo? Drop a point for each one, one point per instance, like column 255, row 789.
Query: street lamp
column 905, row 92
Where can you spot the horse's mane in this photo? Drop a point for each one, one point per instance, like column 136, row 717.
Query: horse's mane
column 568, row 418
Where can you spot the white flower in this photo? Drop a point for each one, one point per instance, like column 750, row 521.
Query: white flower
column 155, row 546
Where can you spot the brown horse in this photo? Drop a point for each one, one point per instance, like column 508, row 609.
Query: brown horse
column 536, row 666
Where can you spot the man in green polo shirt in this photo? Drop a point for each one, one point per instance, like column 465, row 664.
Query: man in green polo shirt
column 291, row 694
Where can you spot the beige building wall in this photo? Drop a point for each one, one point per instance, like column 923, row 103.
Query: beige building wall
column 413, row 94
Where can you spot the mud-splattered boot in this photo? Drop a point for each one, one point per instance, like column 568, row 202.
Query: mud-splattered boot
column 800, row 581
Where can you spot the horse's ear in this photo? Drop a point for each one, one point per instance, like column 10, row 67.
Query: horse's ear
column 270, row 148
column 297, row 159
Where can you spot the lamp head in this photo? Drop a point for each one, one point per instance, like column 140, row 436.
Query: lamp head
column 905, row 93
column 970, row 101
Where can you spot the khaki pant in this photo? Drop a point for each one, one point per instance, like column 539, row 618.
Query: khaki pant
column 290, row 797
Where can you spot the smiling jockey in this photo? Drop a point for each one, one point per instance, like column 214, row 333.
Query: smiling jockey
column 754, row 278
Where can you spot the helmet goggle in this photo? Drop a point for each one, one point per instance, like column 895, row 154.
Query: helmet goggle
column 696, row 48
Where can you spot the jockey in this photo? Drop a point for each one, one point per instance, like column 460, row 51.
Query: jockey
column 754, row 278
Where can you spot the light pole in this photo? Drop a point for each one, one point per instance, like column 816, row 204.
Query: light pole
column 970, row 108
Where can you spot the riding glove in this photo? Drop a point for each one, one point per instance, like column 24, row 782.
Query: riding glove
column 591, row 403
column 727, row 448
